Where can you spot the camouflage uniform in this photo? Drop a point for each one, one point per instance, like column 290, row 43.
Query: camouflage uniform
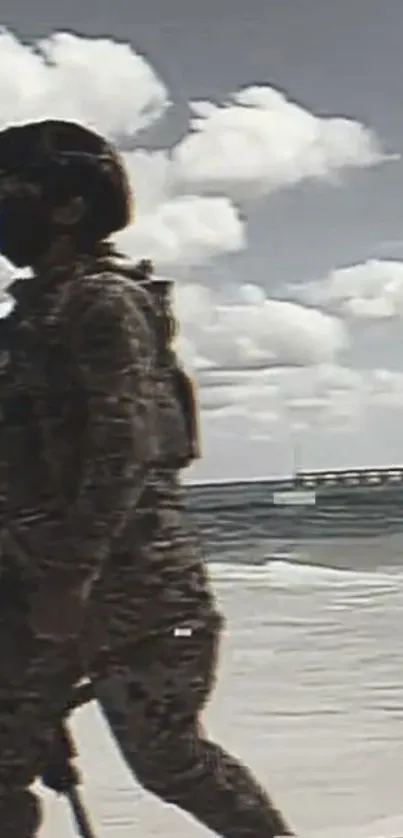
column 154, row 613
column 162, row 675
column 77, row 420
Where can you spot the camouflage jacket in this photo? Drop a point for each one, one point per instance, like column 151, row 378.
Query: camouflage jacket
column 78, row 423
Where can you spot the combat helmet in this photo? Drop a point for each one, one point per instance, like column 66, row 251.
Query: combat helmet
column 65, row 159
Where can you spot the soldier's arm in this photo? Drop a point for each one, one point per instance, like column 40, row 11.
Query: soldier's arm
column 113, row 351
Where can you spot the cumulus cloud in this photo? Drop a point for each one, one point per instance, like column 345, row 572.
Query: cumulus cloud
column 254, row 331
column 185, row 231
column 371, row 290
column 326, row 393
column 109, row 87
column 256, row 142
column 242, row 347
column 99, row 82
column 259, row 141
column 328, row 396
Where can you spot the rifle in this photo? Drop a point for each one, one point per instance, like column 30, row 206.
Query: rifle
column 80, row 814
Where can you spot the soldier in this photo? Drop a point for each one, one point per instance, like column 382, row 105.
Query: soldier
column 77, row 435
column 154, row 614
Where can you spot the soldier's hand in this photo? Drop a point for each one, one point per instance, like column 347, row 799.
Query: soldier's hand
column 60, row 774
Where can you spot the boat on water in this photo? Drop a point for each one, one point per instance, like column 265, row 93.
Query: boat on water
column 316, row 509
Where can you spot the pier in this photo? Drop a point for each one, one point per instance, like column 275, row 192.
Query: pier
column 360, row 477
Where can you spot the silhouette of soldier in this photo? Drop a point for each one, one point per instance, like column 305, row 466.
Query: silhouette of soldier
column 153, row 630
column 78, row 434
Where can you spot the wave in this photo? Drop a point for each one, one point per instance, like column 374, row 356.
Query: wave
column 285, row 574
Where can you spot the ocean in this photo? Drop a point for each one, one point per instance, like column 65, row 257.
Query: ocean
column 310, row 694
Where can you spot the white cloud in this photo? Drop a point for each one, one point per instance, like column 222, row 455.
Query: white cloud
column 177, row 230
column 223, row 399
column 99, row 82
column 151, row 174
column 320, row 394
column 325, row 396
column 371, row 290
column 109, row 87
column 185, row 231
column 260, row 141
column 257, row 142
column 254, row 331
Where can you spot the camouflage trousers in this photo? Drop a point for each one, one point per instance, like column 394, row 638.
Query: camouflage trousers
column 35, row 677
column 152, row 697
column 156, row 608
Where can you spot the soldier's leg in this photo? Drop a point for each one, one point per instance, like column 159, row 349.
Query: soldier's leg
column 34, row 681
column 153, row 707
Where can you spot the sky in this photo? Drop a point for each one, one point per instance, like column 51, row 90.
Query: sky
column 264, row 145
